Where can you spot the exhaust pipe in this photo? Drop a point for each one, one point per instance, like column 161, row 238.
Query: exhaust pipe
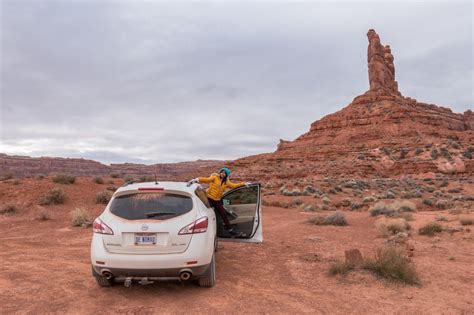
column 107, row 274
column 185, row 275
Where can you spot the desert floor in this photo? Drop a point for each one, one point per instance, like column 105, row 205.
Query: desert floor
column 45, row 266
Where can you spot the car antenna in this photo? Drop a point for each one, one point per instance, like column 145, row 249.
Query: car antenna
column 156, row 182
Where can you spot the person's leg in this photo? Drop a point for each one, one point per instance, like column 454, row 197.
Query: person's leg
column 219, row 208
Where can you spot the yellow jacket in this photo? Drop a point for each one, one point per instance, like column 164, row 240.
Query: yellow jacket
column 216, row 188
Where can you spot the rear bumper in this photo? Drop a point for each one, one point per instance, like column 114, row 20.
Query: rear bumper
column 195, row 259
column 160, row 273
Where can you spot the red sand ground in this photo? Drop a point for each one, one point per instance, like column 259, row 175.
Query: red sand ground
column 45, row 266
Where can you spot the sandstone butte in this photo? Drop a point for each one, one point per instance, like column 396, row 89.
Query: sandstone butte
column 380, row 133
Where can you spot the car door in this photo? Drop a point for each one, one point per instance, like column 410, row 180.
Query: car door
column 243, row 207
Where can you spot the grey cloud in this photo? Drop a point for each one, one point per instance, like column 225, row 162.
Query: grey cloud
column 143, row 81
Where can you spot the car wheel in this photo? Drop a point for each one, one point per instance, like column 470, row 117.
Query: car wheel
column 209, row 279
column 103, row 281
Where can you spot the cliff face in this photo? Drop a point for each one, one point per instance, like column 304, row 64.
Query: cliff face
column 28, row 166
column 380, row 132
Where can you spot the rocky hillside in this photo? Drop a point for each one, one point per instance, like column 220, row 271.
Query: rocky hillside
column 20, row 166
column 380, row 132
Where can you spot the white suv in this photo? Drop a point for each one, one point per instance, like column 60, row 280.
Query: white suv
column 164, row 231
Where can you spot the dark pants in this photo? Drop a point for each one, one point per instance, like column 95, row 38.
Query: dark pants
column 219, row 208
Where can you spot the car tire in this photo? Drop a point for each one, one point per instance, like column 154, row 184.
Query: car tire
column 103, row 281
column 209, row 279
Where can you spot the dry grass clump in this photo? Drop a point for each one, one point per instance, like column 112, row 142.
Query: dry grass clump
column 79, row 216
column 430, row 229
column 6, row 176
column 53, row 196
column 8, row 209
column 43, row 215
column 64, row 179
column 466, row 221
column 338, row 218
column 394, row 209
column 98, row 180
column 391, row 264
column 103, row 197
column 387, row 227
column 340, row 268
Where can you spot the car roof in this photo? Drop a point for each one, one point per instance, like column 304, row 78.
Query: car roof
column 176, row 186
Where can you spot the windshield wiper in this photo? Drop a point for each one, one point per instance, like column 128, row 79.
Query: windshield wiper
column 158, row 214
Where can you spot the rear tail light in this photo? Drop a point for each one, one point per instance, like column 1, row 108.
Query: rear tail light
column 101, row 228
column 198, row 226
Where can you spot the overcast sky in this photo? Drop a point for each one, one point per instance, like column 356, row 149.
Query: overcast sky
column 162, row 82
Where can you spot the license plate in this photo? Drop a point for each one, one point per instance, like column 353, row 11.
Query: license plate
column 145, row 239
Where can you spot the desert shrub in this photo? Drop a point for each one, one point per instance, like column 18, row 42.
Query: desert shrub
column 340, row 268
column 418, row 151
column 388, row 227
column 440, row 217
column 443, row 204
column 445, row 153
column 40, row 177
column 326, row 200
column 391, row 264
column 356, row 206
column 381, row 208
column 428, row 202
column 64, row 179
column 386, row 151
column 430, row 229
column 444, row 183
column 454, row 190
column 404, row 152
column 114, row 175
column 98, row 180
column 368, row 199
column 338, row 218
column 296, row 202
column 468, row 153
column 6, row 176
column 434, row 153
column 103, row 197
column 43, row 215
column 8, row 209
column 79, row 216
column 361, row 156
column 53, row 196
column 466, row 221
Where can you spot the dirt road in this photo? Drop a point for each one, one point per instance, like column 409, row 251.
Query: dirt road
column 45, row 268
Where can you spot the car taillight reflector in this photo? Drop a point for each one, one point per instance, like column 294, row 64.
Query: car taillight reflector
column 101, row 228
column 198, row 226
column 151, row 188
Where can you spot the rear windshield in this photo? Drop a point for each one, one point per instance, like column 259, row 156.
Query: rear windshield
column 157, row 206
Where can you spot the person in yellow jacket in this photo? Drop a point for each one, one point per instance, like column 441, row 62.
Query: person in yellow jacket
column 218, row 183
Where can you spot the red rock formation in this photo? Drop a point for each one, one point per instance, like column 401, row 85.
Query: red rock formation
column 377, row 134
column 27, row 166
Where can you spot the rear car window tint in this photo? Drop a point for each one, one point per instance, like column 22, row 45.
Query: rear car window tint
column 159, row 206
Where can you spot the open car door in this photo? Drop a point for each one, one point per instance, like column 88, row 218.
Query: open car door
column 243, row 207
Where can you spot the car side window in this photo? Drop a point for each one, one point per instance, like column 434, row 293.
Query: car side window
column 242, row 196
